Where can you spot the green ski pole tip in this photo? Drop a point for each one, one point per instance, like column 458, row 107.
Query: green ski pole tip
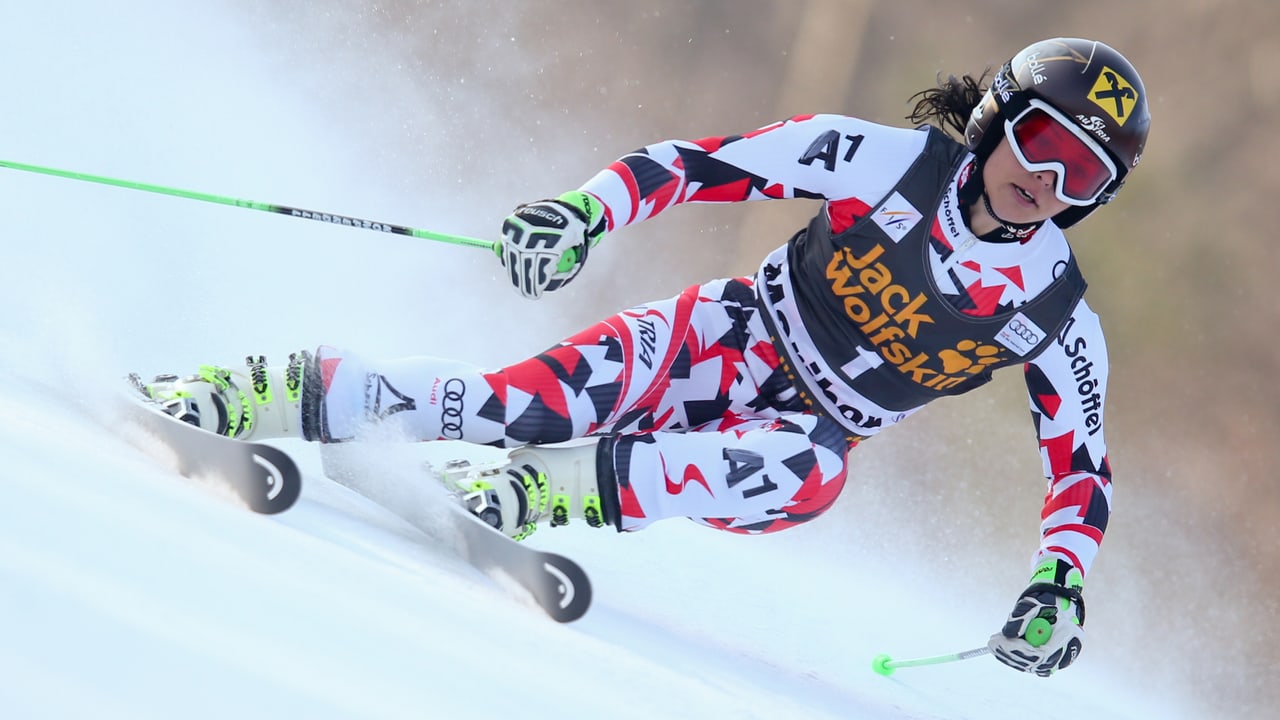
column 881, row 665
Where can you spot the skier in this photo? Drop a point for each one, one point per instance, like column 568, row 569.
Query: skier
column 931, row 264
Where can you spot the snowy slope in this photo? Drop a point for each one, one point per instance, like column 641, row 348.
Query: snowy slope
column 132, row 593
column 127, row 592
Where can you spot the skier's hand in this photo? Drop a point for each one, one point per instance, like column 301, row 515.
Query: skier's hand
column 1045, row 630
column 545, row 243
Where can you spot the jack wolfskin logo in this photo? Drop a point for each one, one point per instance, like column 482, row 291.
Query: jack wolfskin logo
column 969, row 357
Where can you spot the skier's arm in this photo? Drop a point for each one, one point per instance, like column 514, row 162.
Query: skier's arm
column 1067, row 385
column 822, row 157
column 843, row 160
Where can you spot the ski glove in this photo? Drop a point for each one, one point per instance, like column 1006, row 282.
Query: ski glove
column 1045, row 630
column 545, row 243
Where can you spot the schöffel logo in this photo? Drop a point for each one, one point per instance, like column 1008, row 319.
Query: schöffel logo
column 897, row 217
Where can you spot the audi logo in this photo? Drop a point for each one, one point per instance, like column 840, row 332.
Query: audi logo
column 451, row 409
column 1021, row 330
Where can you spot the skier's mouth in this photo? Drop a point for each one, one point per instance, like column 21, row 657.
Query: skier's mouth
column 1025, row 196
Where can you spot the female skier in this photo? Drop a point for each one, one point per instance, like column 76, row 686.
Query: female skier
column 931, row 264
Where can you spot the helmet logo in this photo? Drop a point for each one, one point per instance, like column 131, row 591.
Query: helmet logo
column 1114, row 95
column 1002, row 84
column 1095, row 125
column 1036, row 67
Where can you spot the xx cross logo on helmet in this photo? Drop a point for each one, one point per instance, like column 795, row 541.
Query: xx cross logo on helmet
column 1114, row 95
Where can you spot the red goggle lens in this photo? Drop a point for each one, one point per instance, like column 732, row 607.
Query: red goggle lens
column 1043, row 140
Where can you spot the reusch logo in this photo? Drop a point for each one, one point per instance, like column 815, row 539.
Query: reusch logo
column 551, row 216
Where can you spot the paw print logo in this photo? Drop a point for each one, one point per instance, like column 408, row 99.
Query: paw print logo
column 969, row 356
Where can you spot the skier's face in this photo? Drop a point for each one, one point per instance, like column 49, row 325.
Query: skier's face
column 1019, row 195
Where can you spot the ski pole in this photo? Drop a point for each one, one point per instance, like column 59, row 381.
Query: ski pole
column 1037, row 634
column 885, row 665
column 253, row 205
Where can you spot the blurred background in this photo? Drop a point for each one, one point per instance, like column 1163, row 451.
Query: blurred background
column 457, row 111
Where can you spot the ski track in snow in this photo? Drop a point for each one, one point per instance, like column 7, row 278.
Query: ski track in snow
column 128, row 592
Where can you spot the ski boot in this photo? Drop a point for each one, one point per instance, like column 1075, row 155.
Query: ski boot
column 256, row 402
column 539, row 483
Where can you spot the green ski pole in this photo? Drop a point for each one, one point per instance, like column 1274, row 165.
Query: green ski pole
column 885, row 665
column 1038, row 632
column 254, row 205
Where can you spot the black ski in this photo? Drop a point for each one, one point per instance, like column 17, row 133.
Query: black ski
column 262, row 476
column 558, row 584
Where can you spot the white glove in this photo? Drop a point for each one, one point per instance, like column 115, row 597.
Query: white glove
column 545, row 243
column 1045, row 630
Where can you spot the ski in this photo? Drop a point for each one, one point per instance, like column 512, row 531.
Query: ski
column 559, row 585
column 265, row 478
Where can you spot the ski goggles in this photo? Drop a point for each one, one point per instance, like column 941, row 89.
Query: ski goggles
column 1044, row 139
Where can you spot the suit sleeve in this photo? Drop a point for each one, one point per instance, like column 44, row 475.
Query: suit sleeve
column 821, row 157
column 1067, row 387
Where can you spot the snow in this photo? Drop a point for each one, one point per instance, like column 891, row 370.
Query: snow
column 129, row 592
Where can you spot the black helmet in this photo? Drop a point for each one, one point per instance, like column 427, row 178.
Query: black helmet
column 1085, row 80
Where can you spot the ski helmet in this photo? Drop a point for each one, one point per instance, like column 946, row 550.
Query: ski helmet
column 1086, row 81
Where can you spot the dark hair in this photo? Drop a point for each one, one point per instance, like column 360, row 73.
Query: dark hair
column 950, row 103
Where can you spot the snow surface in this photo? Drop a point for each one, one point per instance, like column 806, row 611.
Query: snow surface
column 128, row 592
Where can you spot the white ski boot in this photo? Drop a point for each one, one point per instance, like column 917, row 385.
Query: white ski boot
column 538, row 483
column 256, row 402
